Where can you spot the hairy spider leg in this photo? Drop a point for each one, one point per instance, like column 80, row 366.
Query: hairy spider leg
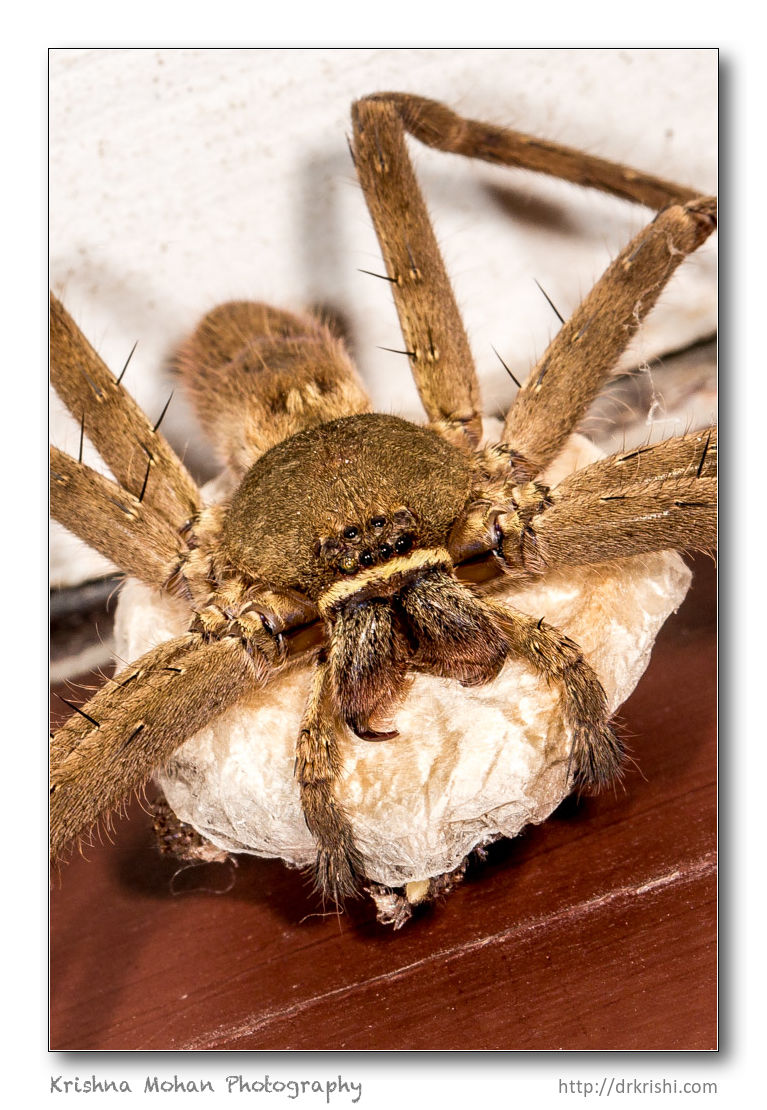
column 137, row 721
column 435, row 340
column 654, row 498
column 573, row 369
column 138, row 455
column 126, row 530
column 437, row 126
column 134, row 724
column 596, row 753
column 578, row 361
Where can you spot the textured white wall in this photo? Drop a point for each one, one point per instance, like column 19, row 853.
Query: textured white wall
column 180, row 178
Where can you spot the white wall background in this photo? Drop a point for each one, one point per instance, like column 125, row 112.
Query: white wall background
column 180, row 178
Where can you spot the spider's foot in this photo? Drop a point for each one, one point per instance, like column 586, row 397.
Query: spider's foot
column 338, row 872
column 596, row 757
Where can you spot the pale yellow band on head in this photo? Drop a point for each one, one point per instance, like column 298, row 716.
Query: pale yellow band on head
column 419, row 559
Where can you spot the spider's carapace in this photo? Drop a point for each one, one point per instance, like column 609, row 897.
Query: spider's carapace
column 344, row 498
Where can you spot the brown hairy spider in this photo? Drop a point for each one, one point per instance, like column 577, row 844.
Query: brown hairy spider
column 361, row 539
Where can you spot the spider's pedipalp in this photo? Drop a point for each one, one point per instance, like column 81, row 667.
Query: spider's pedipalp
column 453, row 632
column 367, row 664
column 137, row 454
column 257, row 375
column 317, row 769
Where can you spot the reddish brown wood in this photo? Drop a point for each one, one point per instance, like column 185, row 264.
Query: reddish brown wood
column 595, row 930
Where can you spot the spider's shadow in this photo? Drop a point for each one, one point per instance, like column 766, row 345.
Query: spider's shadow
column 287, row 892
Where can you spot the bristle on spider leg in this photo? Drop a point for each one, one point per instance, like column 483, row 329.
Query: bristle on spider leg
column 351, row 151
column 554, row 308
column 81, row 712
column 383, row 277
column 703, row 455
column 395, row 351
column 127, row 362
column 517, row 383
column 98, row 393
column 146, row 479
column 162, row 414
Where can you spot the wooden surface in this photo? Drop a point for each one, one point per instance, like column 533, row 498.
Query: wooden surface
column 595, row 930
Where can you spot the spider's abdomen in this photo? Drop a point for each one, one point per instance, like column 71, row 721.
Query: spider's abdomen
column 344, row 496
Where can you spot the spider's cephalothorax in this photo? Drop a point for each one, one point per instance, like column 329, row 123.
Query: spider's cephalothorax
column 357, row 507
column 342, row 499
column 363, row 540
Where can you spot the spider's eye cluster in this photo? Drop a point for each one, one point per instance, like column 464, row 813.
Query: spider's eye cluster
column 357, row 546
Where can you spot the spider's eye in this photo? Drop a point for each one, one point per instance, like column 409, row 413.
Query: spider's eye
column 348, row 564
column 366, row 559
column 377, row 521
column 386, row 551
column 351, row 532
column 403, row 544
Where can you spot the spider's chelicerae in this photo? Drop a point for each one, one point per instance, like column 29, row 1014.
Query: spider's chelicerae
column 363, row 539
